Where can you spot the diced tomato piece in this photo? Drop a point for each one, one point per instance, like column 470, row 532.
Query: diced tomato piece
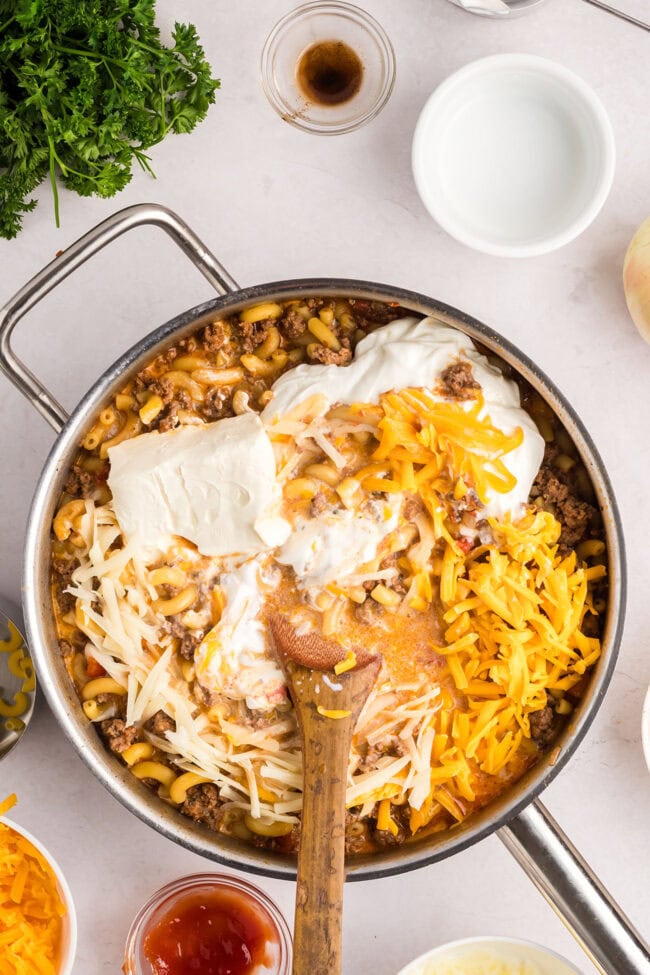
column 93, row 669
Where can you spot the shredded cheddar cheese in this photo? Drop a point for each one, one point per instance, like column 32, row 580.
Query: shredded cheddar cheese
column 7, row 804
column 349, row 662
column 333, row 713
column 514, row 613
column 449, row 442
column 31, row 910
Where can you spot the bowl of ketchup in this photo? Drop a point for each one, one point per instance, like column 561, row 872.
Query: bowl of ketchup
column 215, row 924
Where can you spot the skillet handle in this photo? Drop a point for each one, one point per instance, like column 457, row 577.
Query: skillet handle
column 72, row 258
column 574, row 892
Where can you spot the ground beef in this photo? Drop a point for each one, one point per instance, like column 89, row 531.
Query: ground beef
column 383, row 837
column 368, row 611
column 396, row 583
column 64, row 567
column 575, row 515
column 66, row 648
column 188, row 345
column 204, row 805
column 164, row 388
column 289, row 843
column 292, row 324
column 188, row 640
column 81, row 483
column 320, row 353
column 160, row 723
column 590, row 625
column 204, row 698
column 254, row 333
column 217, row 403
column 116, row 701
column 257, row 719
column 318, row 504
column 167, row 423
column 370, row 314
column 458, row 381
column 167, row 419
column 355, row 838
column 393, row 747
column 214, row 336
column 167, row 358
column 543, row 727
column 118, row 735
column 412, row 507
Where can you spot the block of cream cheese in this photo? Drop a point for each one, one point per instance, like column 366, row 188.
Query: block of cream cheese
column 213, row 484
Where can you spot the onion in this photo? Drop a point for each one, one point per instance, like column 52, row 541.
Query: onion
column 636, row 279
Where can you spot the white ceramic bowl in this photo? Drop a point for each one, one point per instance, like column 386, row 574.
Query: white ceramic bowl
column 69, row 927
column 645, row 728
column 513, row 155
column 502, row 950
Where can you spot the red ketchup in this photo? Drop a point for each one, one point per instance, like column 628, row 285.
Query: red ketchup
column 211, row 932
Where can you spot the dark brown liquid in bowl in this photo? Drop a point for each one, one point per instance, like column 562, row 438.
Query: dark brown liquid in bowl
column 329, row 73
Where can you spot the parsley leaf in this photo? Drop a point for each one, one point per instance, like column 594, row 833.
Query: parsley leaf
column 86, row 88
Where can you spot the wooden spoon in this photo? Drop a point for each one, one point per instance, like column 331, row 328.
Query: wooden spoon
column 308, row 664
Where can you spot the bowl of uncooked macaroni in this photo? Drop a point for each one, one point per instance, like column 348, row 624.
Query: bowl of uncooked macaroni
column 17, row 679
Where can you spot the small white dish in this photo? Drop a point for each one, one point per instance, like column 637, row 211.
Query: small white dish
column 468, row 954
column 513, row 155
column 69, row 925
column 515, row 8
column 645, row 728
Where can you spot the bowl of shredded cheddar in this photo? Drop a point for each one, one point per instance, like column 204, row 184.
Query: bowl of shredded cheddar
column 39, row 925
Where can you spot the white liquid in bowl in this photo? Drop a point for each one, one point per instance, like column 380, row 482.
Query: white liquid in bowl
column 513, row 155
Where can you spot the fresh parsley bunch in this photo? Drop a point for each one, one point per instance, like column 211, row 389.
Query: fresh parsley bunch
column 86, row 87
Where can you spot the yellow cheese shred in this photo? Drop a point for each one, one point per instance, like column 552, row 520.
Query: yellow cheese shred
column 333, row 713
column 7, row 804
column 31, row 910
column 514, row 634
column 349, row 662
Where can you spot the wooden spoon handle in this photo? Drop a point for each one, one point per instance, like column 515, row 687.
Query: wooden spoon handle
column 319, row 894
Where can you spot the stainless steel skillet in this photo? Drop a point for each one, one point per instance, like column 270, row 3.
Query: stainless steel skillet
column 522, row 823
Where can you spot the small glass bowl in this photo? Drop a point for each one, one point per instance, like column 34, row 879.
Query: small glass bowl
column 327, row 21
column 135, row 962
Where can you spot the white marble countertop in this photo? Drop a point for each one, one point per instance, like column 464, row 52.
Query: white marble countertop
column 275, row 203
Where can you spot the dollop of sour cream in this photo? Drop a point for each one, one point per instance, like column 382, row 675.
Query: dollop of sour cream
column 232, row 658
column 335, row 543
column 413, row 352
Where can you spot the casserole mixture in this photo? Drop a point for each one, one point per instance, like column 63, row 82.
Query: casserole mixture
column 363, row 472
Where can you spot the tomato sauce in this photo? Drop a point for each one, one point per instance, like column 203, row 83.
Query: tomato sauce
column 211, row 932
